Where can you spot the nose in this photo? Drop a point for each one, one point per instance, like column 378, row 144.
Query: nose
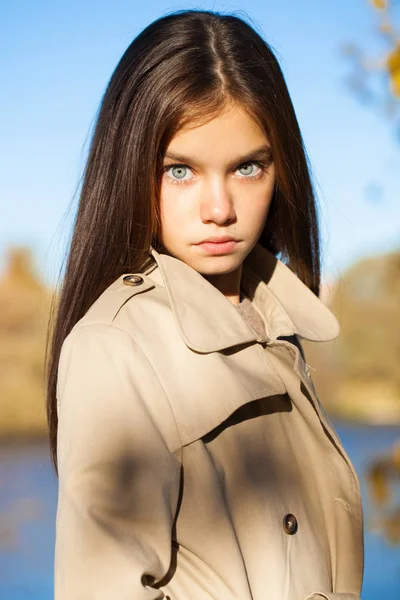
column 217, row 203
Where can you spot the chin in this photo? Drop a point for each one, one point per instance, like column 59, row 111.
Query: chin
column 216, row 265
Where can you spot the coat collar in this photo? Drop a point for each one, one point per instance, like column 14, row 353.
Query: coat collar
column 209, row 322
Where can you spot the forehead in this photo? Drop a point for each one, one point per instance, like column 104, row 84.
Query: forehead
column 232, row 130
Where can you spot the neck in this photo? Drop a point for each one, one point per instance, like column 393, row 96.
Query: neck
column 228, row 284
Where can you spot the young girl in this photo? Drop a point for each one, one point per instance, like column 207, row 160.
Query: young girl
column 195, row 460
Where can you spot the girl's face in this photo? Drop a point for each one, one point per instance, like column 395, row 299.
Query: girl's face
column 218, row 180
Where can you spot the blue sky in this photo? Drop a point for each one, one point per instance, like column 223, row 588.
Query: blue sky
column 56, row 59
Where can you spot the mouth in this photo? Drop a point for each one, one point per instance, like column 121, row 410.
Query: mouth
column 215, row 245
column 219, row 239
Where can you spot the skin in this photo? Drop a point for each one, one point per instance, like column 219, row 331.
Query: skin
column 214, row 193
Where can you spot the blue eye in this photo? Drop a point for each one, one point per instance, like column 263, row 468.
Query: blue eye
column 180, row 170
column 249, row 164
column 179, row 173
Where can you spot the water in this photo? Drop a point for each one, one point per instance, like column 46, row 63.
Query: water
column 28, row 494
column 382, row 561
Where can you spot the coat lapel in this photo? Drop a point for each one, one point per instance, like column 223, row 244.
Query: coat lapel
column 208, row 322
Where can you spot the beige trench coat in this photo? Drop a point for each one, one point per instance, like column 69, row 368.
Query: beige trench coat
column 195, row 459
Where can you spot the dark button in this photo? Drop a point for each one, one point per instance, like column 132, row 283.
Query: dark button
column 290, row 524
column 132, row 280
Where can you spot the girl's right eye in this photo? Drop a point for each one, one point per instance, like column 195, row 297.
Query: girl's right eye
column 179, row 173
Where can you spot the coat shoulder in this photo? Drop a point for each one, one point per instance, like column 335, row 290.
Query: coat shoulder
column 102, row 340
column 123, row 290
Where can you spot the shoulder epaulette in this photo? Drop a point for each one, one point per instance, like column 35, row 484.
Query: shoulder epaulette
column 106, row 307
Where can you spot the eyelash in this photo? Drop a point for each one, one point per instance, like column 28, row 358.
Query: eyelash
column 259, row 163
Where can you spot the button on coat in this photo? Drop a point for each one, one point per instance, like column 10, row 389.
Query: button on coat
column 196, row 461
column 132, row 280
column 290, row 524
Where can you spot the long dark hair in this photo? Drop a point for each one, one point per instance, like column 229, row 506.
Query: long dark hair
column 182, row 68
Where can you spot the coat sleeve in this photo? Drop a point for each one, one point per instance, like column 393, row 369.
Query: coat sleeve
column 118, row 480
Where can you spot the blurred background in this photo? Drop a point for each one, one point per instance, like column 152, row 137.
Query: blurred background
column 341, row 60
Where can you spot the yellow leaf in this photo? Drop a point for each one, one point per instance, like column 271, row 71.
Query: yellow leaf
column 379, row 4
column 393, row 67
column 379, row 482
column 395, row 84
column 393, row 60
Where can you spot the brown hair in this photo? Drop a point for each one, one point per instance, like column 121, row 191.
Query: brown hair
column 184, row 67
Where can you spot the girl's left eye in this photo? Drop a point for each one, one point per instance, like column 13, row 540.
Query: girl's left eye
column 181, row 170
column 252, row 163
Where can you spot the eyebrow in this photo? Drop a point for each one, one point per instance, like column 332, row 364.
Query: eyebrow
column 262, row 153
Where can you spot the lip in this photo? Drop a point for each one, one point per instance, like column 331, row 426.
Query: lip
column 219, row 247
column 219, row 239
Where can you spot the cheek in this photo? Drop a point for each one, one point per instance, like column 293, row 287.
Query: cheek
column 173, row 208
column 256, row 204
